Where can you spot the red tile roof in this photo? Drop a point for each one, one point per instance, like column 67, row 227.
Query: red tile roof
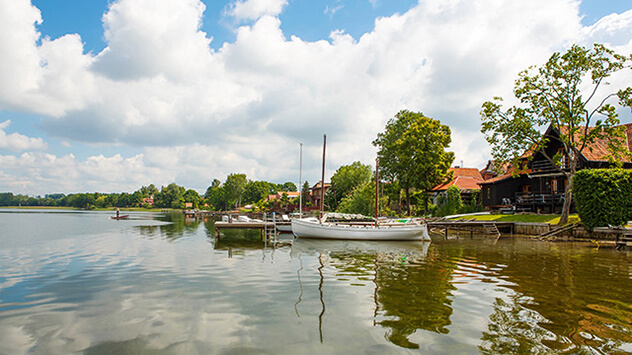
column 463, row 178
column 598, row 150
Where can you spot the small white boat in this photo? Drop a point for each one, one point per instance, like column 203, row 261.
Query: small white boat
column 409, row 229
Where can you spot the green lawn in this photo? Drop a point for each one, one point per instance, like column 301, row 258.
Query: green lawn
column 532, row 218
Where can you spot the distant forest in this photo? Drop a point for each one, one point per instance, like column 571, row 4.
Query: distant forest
column 236, row 191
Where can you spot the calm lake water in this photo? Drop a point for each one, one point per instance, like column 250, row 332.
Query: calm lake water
column 78, row 282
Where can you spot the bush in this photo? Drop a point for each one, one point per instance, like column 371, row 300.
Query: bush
column 603, row 197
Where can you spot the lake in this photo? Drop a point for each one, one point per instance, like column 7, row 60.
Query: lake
column 79, row 282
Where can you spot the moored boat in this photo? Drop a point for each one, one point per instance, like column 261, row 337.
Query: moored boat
column 411, row 229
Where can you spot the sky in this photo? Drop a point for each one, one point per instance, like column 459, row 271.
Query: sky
column 111, row 95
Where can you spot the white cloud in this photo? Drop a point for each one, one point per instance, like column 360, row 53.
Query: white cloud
column 254, row 9
column 41, row 173
column 18, row 142
column 148, row 38
column 197, row 114
column 331, row 11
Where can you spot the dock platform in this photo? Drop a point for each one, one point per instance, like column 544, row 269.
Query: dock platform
column 268, row 229
column 485, row 227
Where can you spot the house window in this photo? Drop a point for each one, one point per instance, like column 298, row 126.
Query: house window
column 489, row 193
column 553, row 186
column 526, row 189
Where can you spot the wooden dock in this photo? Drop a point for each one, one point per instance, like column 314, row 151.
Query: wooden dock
column 472, row 226
column 623, row 236
column 268, row 229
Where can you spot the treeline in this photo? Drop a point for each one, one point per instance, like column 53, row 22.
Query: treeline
column 236, row 191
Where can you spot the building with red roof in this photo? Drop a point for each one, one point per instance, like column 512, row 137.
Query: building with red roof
column 466, row 179
column 540, row 187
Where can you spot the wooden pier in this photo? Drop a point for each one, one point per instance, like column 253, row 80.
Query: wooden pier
column 623, row 236
column 268, row 229
column 471, row 226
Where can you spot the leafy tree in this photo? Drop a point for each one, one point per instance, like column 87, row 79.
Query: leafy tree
column 451, row 203
column 288, row 186
column 256, row 191
column 193, row 197
column 305, row 193
column 563, row 94
column 171, row 196
column 147, row 191
column 216, row 196
column 346, row 179
column 412, row 152
column 361, row 200
column 234, row 187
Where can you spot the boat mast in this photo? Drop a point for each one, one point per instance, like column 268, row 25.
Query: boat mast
column 322, row 181
column 377, row 187
column 300, row 182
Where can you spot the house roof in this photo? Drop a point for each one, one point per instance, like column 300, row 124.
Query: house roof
column 317, row 185
column 463, row 178
column 598, row 150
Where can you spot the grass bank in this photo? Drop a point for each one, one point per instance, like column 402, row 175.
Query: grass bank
column 525, row 218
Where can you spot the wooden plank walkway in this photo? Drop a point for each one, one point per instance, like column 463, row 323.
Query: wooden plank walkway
column 485, row 227
column 623, row 236
column 268, row 229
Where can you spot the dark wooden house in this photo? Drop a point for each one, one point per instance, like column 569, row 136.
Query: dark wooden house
column 540, row 188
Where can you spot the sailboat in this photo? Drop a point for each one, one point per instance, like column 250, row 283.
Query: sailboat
column 351, row 227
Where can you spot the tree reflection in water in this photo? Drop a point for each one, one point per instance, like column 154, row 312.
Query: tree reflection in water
column 562, row 298
column 412, row 289
column 413, row 295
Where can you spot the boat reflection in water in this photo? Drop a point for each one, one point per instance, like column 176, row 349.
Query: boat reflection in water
column 406, row 284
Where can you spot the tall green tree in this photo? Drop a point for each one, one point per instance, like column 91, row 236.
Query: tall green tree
column 305, row 194
column 216, row 196
column 346, row 179
column 566, row 93
column 412, row 151
column 234, row 187
column 193, row 197
column 360, row 200
column 256, row 191
column 288, row 186
column 171, row 196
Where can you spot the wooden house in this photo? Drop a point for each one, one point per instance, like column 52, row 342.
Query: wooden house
column 466, row 179
column 540, row 188
column 315, row 192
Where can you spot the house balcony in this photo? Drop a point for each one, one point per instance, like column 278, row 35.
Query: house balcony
column 539, row 198
column 545, row 167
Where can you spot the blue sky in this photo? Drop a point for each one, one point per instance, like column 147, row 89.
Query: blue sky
column 155, row 102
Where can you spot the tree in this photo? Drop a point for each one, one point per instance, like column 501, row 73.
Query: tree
column 450, row 203
column 553, row 96
column 216, row 195
column 305, row 193
column 193, row 197
column 171, row 196
column 346, row 179
column 288, row 186
column 256, row 191
column 234, row 187
column 412, row 152
column 361, row 200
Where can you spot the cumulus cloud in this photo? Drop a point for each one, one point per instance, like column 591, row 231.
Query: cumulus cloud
column 254, row 9
column 40, row 173
column 18, row 142
column 195, row 114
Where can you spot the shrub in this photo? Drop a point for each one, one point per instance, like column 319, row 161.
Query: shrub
column 603, row 197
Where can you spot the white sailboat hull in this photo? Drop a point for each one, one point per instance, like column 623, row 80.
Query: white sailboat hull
column 313, row 229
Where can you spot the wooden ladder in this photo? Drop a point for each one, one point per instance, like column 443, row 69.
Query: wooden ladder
column 270, row 231
column 492, row 229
